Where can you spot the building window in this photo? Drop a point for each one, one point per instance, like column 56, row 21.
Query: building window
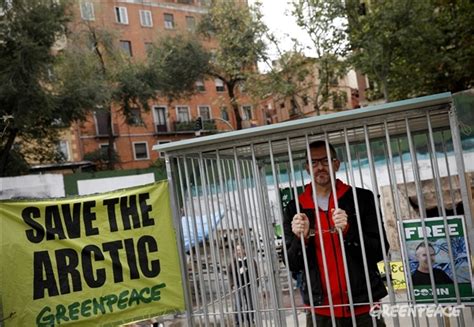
column 169, row 21
column 247, row 112
column 146, row 19
column 200, row 86
column 183, row 114
column 126, row 47
column 101, row 122
column 219, row 85
column 191, row 23
column 135, row 118
column 186, row 2
column 224, row 113
column 205, row 112
column 162, row 154
column 121, row 15
column 160, row 119
column 87, row 10
column 140, row 150
column 63, row 149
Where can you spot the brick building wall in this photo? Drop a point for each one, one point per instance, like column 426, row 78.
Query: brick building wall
column 137, row 24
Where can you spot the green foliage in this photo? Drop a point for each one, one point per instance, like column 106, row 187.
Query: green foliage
column 239, row 32
column 321, row 20
column 29, row 106
column 96, row 74
column 17, row 164
column 177, row 63
column 308, row 80
column 101, row 158
column 413, row 48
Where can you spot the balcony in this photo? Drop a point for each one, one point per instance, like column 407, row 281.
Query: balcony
column 186, row 127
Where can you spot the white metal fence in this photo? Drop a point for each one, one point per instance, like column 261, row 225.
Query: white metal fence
column 229, row 193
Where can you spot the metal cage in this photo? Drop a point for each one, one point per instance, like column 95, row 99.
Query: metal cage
column 229, row 191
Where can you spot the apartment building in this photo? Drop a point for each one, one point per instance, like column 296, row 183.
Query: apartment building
column 139, row 24
column 344, row 95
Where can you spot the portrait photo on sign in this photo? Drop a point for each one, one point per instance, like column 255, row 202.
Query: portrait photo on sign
column 438, row 258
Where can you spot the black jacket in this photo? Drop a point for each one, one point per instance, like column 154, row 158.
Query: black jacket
column 352, row 246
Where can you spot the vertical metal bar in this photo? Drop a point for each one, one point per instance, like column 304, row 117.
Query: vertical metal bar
column 204, row 245
column 227, row 204
column 359, row 224
column 320, row 231
column 198, row 252
column 421, row 207
column 285, row 253
column 235, row 229
column 256, row 206
column 398, row 218
column 339, row 231
column 222, row 245
column 450, row 182
column 253, row 230
column 377, row 204
column 266, row 238
column 463, row 184
column 232, row 166
column 439, row 190
column 344, row 159
column 214, row 200
column 188, row 228
column 303, row 246
column 211, row 236
column 456, row 137
column 171, row 174
column 247, row 239
column 400, row 154
column 250, row 230
column 359, row 164
column 252, row 210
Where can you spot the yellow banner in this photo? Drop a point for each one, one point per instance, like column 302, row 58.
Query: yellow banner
column 397, row 274
column 98, row 260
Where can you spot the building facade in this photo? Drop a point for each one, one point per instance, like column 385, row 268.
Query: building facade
column 345, row 93
column 138, row 24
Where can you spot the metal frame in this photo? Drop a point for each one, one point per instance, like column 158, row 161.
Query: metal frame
column 236, row 177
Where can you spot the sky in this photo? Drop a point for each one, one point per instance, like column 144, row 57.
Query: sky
column 277, row 17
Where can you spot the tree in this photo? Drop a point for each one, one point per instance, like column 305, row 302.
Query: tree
column 113, row 83
column 321, row 20
column 103, row 78
column 239, row 32
column 288, row 78
column 177, row 63
column 29, row 108
column 413, row 48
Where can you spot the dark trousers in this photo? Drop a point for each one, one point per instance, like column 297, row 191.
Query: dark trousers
column 364, row 320
column 244, row 307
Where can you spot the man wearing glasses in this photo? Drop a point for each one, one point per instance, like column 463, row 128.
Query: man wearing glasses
column 334, row 218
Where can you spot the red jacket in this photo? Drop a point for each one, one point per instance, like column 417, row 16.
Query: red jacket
column 333, row 252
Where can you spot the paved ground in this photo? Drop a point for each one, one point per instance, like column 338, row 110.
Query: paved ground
column 180, row 320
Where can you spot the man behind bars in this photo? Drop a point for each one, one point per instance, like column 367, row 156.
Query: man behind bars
column 332, row 219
